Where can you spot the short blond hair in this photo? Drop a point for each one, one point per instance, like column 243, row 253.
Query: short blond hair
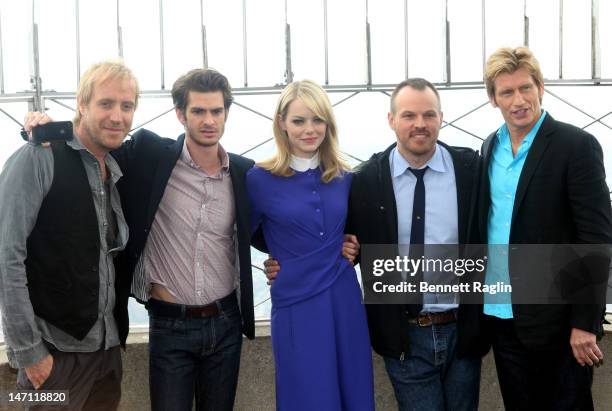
column 99, row 73
column 508, row 60
column 315, row 98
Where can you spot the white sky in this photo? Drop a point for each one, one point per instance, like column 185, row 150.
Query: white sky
column 362, row 119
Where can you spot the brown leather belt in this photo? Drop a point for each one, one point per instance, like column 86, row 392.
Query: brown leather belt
column 427, row 319
column 166, row 309
column 202, row 311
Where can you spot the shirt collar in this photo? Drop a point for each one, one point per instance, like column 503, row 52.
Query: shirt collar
column 503, row 134
column 223, row 157
column 436, row 162
column 109, row 161
column 75, row 143
column 304, row 164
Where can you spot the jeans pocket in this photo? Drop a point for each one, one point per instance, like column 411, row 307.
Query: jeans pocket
column 165, row 325
column 231, row 318
column 228, row 326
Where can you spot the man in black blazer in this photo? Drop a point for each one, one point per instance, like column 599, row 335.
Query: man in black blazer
column 543, row 182
column 430, row 350
column 186, row 206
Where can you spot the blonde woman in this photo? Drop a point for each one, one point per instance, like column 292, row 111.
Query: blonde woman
column 299, row 197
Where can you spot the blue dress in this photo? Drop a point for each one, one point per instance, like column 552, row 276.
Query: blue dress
column 319, row 329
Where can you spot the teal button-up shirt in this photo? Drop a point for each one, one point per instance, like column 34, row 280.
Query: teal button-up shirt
column 504, row 173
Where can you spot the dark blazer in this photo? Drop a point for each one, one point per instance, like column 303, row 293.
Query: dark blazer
column 561, row 198
column 373, row 219
column 147, row 161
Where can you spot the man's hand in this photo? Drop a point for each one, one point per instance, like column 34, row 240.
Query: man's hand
column 350, row 247
column 271, row 269
column 33, row 119
column 584, row 347
column 39, row 372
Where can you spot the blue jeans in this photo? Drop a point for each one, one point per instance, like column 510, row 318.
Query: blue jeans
column 194, row 357
column 431, row 377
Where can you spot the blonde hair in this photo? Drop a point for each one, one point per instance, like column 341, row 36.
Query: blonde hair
column 508, row 60
column 99, row 73
column 315, row 98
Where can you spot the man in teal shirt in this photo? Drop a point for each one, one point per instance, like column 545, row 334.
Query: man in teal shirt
column 543, row 183
column 504, row 173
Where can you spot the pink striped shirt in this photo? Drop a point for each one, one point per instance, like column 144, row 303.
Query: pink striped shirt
column 190, row 250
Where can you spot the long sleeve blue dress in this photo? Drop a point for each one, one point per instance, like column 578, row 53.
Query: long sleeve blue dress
column 319, row 329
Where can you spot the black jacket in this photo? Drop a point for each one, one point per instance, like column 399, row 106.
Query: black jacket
column 147, row 161
column 561, row 198
column 373, row 218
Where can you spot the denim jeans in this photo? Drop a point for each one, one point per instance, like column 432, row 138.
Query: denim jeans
column 431, row 377
column 194, row 357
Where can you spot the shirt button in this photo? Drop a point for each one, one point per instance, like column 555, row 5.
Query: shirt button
column 321, row 233
column 509, row 168
column 314, row 192
column 318, row 210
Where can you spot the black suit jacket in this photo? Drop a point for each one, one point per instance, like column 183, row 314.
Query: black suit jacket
column 373, row 219
column 147, row 161
column 561, row 198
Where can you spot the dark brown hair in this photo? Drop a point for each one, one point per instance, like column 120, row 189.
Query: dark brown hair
column 200, row 80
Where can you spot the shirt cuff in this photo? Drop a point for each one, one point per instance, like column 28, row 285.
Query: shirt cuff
column 28, row 356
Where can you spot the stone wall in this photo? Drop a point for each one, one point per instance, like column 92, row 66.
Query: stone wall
column 256, row 385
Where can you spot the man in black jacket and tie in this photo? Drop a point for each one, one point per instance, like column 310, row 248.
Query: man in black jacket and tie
column 421, row 191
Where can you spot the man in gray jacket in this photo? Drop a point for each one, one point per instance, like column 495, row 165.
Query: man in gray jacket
column 64, row 313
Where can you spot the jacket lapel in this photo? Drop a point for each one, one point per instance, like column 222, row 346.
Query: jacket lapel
column 464, row 190
column 485, row 189
column 168, row 158
column 536, row 152
column 238, row 185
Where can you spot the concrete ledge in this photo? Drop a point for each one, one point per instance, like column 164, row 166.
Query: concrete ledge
column 256, row 384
